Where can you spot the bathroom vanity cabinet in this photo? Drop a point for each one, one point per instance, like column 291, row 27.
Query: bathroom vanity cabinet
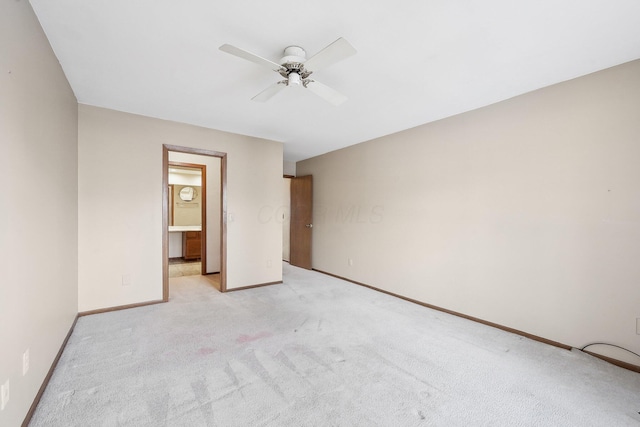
column 191, row 244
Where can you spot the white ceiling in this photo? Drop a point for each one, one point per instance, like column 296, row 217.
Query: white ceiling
column 417, row 61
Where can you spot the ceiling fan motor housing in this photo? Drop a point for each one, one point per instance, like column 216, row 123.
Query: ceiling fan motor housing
column 293, row 55
column 293, row 62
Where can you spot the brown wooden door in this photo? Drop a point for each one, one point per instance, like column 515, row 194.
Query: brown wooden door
column 301, row 221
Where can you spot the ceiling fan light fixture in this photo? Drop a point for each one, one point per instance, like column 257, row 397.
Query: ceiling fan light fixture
column 294, row 79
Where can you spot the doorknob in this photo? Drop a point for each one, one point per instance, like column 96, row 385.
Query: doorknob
column 309, row 225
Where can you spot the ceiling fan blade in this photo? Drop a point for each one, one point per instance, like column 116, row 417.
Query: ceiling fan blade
column 241, row 53
column 326, row 93
column 269, row 92
column 336, row 51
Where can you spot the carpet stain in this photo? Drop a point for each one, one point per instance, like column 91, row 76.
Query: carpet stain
column 339, row 354
column 395, row 367
column 201, row 393
column 301, row 325
column 206, row 350
column 158, row 408
column 284, row 360
column 251, row 361
column 313, row 356
column 232, row 375
column 242, row 339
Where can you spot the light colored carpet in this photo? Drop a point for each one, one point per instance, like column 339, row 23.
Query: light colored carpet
column 317, row 351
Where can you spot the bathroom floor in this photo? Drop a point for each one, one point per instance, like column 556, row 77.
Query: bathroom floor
column 180, row 267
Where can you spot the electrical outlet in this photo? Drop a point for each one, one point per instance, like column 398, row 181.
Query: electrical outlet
column 25, row 362
column 126, row 279
column 638, row 325
column 350, row 262
column 4, row 395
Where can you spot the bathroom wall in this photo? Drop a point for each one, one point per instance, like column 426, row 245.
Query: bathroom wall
column 187, row 212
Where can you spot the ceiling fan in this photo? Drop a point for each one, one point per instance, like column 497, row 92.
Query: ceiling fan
column 296, row 68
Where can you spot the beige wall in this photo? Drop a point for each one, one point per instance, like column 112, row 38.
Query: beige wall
column 525, row 213
column 289, row 168
column 38, row 207
column 285, row 214
column 189, row 212
column 112, row 245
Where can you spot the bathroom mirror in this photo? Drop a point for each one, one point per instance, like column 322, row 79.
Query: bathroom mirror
column 188, row 194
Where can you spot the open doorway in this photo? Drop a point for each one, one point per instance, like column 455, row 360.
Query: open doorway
column 212, row 247
column 188, row 206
